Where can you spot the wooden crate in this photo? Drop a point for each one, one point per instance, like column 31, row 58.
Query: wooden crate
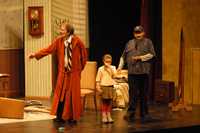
column 11, row 108
column 164, row 91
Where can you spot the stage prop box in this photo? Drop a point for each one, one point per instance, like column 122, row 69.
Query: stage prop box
column 11, row 108
column 164, row 91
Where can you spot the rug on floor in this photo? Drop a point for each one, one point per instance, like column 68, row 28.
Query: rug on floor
column 31, row 113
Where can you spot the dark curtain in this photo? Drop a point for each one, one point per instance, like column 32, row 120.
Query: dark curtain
column 151, row 20
column 145, row 16
column 110, row 27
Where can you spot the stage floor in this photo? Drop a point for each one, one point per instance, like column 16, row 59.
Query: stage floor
column 164, row 121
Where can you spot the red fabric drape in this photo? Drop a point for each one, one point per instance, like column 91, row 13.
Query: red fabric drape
column 145, row 17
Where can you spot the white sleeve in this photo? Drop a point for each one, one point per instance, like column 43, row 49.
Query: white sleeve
column 98, row 76
column 146, row 57
column 114, row 71
column 121, row 63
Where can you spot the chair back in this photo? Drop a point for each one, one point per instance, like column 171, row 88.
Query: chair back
column 88, row 75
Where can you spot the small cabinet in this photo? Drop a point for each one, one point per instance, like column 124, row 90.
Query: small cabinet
column 4, row 85
column 164, row 91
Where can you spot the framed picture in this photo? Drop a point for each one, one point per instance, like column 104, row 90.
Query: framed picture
column 36, row 22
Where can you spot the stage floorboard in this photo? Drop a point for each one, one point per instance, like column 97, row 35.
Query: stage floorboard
column 164, row 120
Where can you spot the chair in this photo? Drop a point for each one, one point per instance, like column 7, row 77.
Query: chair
column 88, row 82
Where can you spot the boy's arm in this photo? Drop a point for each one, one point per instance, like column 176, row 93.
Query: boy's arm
column 113, row 71
column 98, row 87
column 98, row 79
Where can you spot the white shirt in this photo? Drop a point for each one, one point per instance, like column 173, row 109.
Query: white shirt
column 105, row 75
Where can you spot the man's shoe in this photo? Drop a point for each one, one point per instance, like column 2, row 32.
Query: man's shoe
column 59, row 120
column 146, row 118
column 126, row 117
column 129, row 117
column 71, row 121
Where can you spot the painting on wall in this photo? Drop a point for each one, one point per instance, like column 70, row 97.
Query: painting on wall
column 35, row 18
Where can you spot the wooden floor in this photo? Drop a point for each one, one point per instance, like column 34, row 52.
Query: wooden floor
column 164, row 121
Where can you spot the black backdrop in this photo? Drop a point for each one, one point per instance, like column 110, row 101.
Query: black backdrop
column 110, row 26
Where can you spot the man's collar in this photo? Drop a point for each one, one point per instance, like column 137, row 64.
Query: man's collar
column 69, row 40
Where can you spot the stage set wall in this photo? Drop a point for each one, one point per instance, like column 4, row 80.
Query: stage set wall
column 38, row 74
column 176, row 15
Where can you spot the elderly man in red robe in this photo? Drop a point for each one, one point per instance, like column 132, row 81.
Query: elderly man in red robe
column 72, row 56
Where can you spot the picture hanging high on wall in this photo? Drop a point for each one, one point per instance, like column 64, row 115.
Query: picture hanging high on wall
column 36, row 22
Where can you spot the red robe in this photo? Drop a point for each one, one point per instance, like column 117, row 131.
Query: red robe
column 70, row 81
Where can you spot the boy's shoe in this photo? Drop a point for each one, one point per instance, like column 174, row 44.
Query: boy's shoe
column 104, row 118
column 110, row 120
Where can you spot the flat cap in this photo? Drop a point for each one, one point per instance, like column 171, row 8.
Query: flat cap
column 138, row 29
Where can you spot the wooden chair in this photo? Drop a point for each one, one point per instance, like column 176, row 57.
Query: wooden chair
column 88, row 82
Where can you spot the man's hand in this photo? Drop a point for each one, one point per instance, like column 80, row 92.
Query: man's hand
column 31, row 56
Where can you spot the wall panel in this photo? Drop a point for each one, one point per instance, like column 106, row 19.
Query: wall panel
column 195, row 82
column 38, row 78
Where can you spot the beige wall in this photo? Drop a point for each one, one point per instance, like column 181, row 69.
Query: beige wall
column 38, row 73
column 80, row 20
column 185, row 14
column 76, row 11
column 61, row 9
column 11, row 19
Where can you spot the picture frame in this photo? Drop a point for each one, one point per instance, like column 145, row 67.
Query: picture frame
column 36, row 21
